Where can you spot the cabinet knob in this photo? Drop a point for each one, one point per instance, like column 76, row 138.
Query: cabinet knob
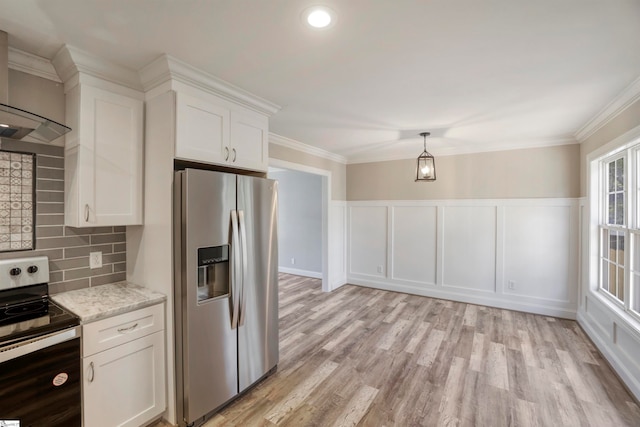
column 234, row 155
column 226, row 153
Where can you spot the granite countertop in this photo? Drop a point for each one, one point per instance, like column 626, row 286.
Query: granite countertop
column 102, row 301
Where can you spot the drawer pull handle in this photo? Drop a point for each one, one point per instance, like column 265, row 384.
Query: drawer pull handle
column 226, row 153
column 86, row 213
column 91, row 372
column 130, row 328
column 234, row 154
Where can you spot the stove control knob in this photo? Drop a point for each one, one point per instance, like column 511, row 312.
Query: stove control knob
column 32, row 269
column 15, row 271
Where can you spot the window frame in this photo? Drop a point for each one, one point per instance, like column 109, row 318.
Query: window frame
column 630, row 228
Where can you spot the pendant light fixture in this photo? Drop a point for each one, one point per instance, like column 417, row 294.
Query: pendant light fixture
column 426, row 167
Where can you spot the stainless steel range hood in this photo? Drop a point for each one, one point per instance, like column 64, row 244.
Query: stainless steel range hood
column 16, row 123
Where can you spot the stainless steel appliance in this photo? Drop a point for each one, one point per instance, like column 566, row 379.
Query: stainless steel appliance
column 226, row 295
column 39, row 349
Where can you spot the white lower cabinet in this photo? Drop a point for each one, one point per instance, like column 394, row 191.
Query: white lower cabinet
column 124, row 384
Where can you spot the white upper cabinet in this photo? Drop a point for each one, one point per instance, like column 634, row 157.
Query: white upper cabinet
column 103, row 160
column 213, row 133
column 215, row 122
column 250, row 140
column 104, row 149
column 202, row 130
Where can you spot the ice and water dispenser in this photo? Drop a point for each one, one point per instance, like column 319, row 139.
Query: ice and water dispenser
column 213, row 272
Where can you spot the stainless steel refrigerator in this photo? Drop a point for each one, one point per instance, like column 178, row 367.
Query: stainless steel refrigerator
column 226, row 294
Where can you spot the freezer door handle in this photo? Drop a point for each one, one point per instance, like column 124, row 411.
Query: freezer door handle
column 235, row 274
column 243, row 240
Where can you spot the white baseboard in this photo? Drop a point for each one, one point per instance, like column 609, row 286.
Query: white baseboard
column 609, row 353
column 336, row 283
column 491, row 300
column 297, row 272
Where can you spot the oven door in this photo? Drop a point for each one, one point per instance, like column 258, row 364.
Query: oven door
column 40, row 380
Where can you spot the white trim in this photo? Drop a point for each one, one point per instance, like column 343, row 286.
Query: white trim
column 167, row 68
column 464, row 296
column 338, row 271
column 599, row 336
column 297, row 272
column 32, row 64
column 70, row 61
column 564, row 201
column 620, row 103
column 305, row 148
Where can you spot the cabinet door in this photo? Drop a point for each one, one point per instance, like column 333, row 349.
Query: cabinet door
column 104, row 176
column 249, row 140
column 125, row 386
column 202, row 130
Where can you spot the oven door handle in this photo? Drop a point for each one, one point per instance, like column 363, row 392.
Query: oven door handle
column 14, row 351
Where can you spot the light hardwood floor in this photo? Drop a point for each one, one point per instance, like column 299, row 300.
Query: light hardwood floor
column 368, row 357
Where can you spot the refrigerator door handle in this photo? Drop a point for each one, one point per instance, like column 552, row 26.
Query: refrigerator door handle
column 245, row 267
column 235, row 276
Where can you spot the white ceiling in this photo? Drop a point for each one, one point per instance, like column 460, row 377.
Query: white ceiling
column 479, row 75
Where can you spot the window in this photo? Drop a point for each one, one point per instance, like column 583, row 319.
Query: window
column 619, row 278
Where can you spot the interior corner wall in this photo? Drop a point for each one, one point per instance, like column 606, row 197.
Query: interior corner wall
column 299, row 222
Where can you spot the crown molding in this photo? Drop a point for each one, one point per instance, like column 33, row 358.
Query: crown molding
column 167, row 68
column 446, row 151
column 70, row 61
column 20, row 60
column 305, row 148
column 620, row 103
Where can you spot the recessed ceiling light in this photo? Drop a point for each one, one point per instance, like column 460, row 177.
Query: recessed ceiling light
column 319, row 16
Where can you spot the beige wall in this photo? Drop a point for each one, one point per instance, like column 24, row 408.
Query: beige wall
column 622, row 123
column 338, row 170
column 527, row 173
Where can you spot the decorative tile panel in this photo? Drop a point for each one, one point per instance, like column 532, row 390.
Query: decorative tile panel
column 67, row 248
column 17, row 185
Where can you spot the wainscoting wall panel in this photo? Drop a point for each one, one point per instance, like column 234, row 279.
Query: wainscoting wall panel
column 414, row 240
column 368, row 240
column 619, row 342
column 469, row 260
column 519, row 254
column 538, row 258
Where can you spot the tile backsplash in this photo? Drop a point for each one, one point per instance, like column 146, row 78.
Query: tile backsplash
column 67, row 248
column 16, row 201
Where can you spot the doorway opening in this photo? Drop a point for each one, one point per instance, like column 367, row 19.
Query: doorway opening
column 303, row 218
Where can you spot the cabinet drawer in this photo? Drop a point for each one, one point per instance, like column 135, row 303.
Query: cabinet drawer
column 107, row 333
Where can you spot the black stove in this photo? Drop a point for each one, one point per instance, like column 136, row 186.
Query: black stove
column 40, row 360
column 26, row 311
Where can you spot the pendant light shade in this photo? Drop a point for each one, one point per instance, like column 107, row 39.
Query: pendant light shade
column 426, row 167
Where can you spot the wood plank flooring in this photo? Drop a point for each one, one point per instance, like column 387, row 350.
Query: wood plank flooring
column 366, row 357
